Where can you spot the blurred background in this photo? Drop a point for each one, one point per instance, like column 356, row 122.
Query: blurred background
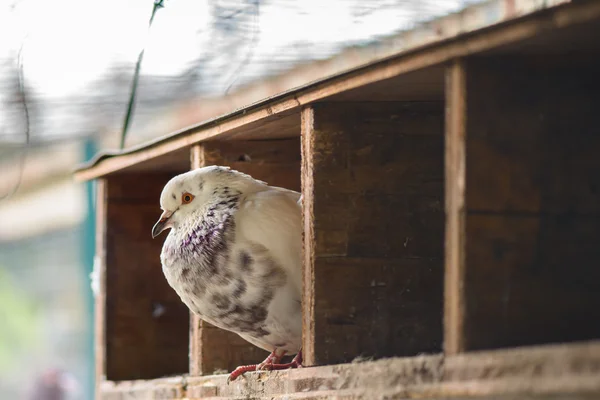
column 66, row 74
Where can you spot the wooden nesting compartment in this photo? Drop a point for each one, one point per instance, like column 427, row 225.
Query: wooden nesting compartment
column 450, row 208
column 531, row 217
column 373, row 186
column 141, row 324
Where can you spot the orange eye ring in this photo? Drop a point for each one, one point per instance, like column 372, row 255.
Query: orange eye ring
column 186, row 198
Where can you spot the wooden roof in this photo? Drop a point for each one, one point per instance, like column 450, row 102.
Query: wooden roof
column 416, row 72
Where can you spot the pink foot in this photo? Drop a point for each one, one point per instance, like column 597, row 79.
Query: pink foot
column 270, row 363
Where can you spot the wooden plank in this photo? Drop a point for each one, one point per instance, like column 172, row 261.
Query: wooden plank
column 272, row 109
column 308, row 238
column 146, row 323
column 548, row 372
column 455, row 208
column 373, row 230
column 251, row 152
column 276, row 162
column 155, row 389
column 197, row 156
column 220, row 351
column 533, row 214
column 546, row 149
column 531, row 280
column 378, row 314
column 100, row 297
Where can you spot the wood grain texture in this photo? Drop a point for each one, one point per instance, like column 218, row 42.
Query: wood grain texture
column 533, row 203
column 373, row 216
column 308, row 238
column 146, row 322
column 531, row 373
column 454, row 302
column 276, row 162
column 100, row 297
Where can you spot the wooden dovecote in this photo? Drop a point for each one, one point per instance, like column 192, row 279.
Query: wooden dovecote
column 450, row 215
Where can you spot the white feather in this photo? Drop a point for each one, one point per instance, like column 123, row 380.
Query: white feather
column 268, row 228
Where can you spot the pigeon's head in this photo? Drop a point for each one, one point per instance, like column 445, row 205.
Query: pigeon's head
column 186, row 194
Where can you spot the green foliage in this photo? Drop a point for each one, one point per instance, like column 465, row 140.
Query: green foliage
column 19, row 322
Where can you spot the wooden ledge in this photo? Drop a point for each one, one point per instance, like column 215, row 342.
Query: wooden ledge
column 534, row 371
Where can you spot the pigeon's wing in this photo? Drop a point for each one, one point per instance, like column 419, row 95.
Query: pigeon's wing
column 273, row 220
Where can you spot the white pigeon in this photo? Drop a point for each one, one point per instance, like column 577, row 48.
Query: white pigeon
column 233, row 255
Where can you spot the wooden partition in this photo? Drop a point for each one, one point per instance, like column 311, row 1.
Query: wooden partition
column 373, row 230
column 276, row 162
column 523, row 251
column 143, row 322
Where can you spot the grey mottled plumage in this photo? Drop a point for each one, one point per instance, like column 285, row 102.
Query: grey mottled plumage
column 234, row 254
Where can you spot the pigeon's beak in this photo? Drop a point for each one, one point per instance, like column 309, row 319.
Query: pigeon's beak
column 162, row 224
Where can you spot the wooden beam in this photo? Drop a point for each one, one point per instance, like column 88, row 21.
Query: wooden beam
column 197, row 156
column 454, row 302
column 270, row 110
column 100, row 297
column 308, row 237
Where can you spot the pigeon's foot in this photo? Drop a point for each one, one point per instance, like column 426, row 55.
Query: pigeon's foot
column 296, row 363
column 273, row 358
column 240, row 371
column 271, row 363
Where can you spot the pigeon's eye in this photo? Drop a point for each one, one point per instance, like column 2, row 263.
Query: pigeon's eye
column 187, row 198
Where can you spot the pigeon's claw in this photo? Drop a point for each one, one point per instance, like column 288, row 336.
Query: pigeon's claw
column 271, row 363
column 240, row 371
column 272, row 359
column 265, row 365
column 296, row 363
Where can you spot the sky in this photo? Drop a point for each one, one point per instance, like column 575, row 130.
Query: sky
column 68, row 44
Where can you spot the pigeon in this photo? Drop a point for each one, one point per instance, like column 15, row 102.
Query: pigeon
column 233, row 255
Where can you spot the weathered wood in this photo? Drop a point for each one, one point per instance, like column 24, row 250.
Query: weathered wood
column 308, row 237
column 258, row 119
column 146, row 332
column 547, row 372
column 220, row 351
column 155, row 389
column 533, row 204
column 100, row 296
column 373, row 215
column 455, row 208
column 276, row 162
column 255, row 152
